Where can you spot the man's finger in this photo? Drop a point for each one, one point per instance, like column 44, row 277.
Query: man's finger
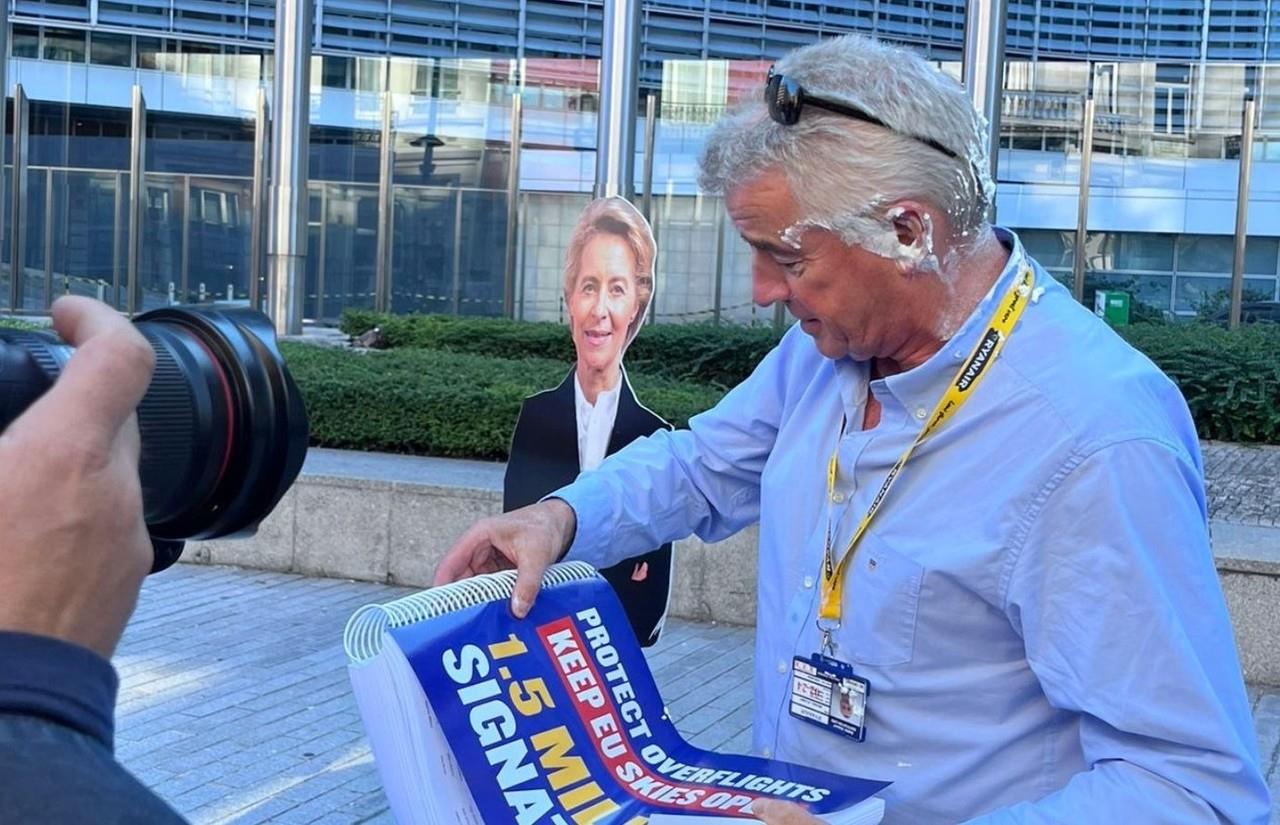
column 778, row 812
column 460, row 562
column 529, row 572
column 101, row 385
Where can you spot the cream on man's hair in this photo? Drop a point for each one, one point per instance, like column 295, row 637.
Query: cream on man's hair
column 847, row 174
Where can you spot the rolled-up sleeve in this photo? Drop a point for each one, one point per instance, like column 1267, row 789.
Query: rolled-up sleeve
column 1114, row 591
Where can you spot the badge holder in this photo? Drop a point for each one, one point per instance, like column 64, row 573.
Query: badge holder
column 826, row 692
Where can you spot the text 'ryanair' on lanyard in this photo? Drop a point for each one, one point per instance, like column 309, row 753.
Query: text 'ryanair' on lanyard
column 970, row 375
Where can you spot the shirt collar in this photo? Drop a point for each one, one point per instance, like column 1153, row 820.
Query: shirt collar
column 604, row 399
column 922, row 386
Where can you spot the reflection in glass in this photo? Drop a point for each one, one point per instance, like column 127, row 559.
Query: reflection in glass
column 424, row 245
column 349, row 238
column 218, row 238
column 160, row 274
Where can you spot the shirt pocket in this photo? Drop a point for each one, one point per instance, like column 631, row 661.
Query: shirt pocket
column 882, row 597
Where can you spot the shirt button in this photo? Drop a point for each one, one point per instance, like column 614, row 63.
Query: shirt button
column 782, row 667
column 958, row 355
column 808, row 582
column 921, row 413
column 837, row 497
column 766, row 753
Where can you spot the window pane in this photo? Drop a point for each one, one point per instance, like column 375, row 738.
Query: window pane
column 26, row 41
column 1260, row 255
column 111, row 49
column 1051, row 247
column 1144, row 251
column 1205, row 253
column 60, row 44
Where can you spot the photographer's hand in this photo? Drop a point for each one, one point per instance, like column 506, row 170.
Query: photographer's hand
column 530, row 539
column 73, row 545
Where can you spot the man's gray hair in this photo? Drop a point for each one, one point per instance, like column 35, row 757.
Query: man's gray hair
column 845, row 171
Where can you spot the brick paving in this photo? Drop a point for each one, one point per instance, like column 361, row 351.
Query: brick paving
column 235, row 706
column 1243, row 482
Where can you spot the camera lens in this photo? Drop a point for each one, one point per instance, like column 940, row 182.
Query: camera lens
column 224, row 431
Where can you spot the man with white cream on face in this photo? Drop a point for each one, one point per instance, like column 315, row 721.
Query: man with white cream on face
column 980, row 510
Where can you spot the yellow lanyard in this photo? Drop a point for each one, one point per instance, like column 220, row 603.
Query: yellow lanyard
column 970, row 375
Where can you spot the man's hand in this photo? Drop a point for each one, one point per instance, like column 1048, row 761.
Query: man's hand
column 73, row 545
column 530, row 539
column 777, row 812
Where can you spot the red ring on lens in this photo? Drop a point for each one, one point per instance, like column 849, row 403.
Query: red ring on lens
column 226, row 395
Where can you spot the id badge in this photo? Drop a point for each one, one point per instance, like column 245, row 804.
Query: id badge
column 825, row 692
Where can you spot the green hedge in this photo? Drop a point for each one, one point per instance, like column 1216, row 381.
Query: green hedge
column 1230, row 378
column 704, row 353
column 443, row 403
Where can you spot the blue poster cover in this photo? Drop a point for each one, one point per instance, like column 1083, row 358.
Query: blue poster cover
column 556, row 719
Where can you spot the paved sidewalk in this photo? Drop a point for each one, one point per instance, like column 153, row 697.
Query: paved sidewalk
column 235, row 704
column 1243, row 482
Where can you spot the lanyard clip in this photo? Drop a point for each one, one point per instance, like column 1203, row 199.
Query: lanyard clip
column 827, row 627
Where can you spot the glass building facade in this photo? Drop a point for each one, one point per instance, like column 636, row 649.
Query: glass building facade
column 412, row 117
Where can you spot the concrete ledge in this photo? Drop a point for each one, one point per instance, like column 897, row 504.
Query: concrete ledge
column 386, row 518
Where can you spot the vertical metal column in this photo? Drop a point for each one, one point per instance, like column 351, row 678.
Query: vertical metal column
column 456, row 298
column 118, row 239
column 185, row 267
column 650, row 131
column 386, row 168
column 513, row 212
column 719, row 290
column 290, row 138
column 137, row 171
column 1242, row 206
column 4, row 86
column 48, row 237
column 258, row 229
column 1082, row 204
column 18, row 204
column 619, row 82
column 983, row 67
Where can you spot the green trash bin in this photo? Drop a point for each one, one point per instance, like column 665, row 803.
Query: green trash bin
column 1112, row 306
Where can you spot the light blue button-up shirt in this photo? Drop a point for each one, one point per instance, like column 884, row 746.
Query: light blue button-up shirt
column 1035, row 606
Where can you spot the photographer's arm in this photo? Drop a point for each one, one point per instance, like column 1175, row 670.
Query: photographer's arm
column 73, row 553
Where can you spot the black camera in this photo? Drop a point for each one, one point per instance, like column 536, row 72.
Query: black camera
column 224, row 430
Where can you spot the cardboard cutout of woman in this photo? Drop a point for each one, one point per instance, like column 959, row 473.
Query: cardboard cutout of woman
column 608, row 285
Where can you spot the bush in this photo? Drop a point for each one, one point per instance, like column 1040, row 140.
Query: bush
column 1230, row 378
column 442, row 403
column 704, row 353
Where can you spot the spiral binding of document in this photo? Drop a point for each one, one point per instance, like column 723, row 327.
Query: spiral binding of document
column 477, row 718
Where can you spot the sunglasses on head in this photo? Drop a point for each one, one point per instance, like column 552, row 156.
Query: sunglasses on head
column 786, row 97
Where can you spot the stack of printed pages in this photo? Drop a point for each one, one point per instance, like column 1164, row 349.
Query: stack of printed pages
column 476, row 717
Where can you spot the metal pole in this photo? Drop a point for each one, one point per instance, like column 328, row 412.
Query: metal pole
column 719, row 294
column 118, row 239
column 386, row 167
column 1082, row 205
column 48, row 237
column 983, row 67
column 257, row 230
column 1242, row 206
column 137, row 170
column 290, row 138
column 4, row 86
column 185, row 268
column 456, row 302
column 18, row 216
column 619, row 82
column 650, row 130
column 513, row 213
